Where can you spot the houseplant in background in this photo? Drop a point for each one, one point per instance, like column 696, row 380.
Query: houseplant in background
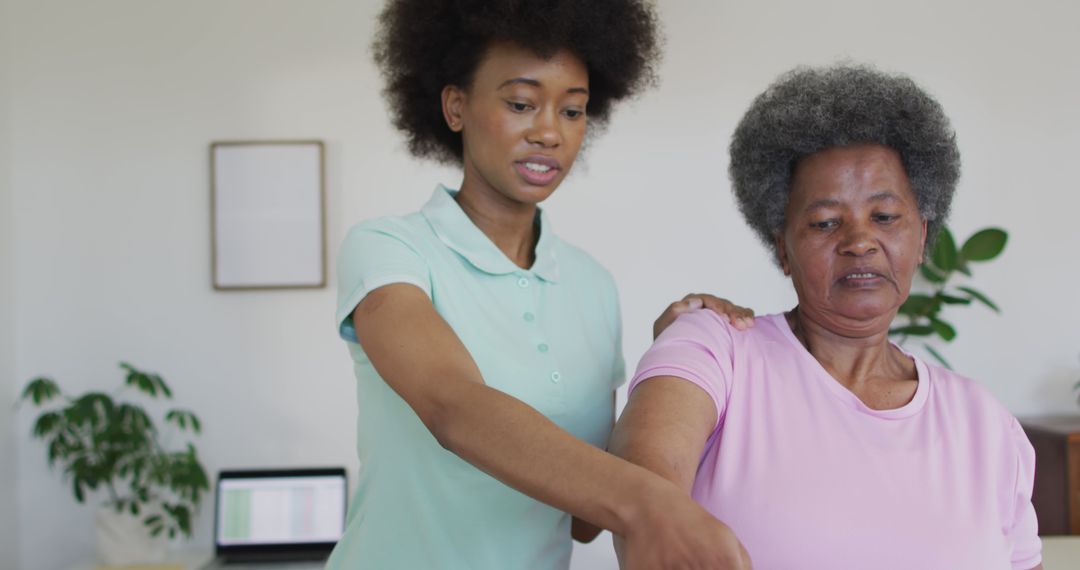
column 923, row 310
column 1076, row 388
column 108, row 443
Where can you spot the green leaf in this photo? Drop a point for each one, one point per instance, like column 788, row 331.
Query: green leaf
column 912, row 330
column 981, row 298
column 40, row 390
column 162, row 385
column 943, row 329
column 46, row 423
column 147, row 385
column 950, row 300
column 984, row 245
column 56, row 449
column 938, row 356
column 945, row 256
column 918, row 304
column 930, row 274
column 140, row 380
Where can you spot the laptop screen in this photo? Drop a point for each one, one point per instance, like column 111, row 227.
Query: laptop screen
column 280, row 508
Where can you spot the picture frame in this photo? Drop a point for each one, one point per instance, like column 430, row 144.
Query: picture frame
column 268, row 214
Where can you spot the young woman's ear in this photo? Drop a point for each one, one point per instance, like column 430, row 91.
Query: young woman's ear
column 453, row 103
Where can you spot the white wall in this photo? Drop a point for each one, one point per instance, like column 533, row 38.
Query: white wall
column 9, row 540
column 114, row 103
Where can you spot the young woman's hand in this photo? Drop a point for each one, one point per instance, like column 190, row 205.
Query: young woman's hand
column 678, row 533
column 740, row 317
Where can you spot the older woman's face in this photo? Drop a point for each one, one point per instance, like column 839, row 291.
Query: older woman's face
column 853, row 237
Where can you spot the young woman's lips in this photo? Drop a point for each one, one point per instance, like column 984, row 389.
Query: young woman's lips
column 538, row 170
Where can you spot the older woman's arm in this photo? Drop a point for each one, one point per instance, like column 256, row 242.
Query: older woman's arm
column 664, row 428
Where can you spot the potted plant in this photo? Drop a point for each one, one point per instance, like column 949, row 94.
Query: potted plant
column 923, row 310
column 114, row 445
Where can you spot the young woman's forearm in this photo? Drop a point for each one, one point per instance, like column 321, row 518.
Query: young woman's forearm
column 520, row 447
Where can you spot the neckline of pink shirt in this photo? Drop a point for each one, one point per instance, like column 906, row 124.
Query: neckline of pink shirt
column 922, row 390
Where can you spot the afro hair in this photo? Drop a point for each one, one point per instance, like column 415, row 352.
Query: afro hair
column 808, row 110
column 424, row 45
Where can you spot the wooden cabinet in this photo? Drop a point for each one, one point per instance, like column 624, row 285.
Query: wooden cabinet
column 1057, row 472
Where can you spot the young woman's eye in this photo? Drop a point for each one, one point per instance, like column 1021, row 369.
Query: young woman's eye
column 518, row 106
column 574, row 113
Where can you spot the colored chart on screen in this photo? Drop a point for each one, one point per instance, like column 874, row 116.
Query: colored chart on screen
column 280, row 510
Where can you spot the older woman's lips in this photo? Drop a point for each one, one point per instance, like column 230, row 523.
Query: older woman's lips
column 862, row 279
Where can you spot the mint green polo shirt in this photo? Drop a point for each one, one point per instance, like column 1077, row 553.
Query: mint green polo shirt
column 549, row 336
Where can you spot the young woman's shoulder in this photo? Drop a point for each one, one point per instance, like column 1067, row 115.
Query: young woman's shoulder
column 577, row 263
column 407, row 228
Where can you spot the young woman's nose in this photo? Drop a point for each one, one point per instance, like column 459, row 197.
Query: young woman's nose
column 545, row 129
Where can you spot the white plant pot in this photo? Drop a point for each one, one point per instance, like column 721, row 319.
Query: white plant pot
column 123, row 539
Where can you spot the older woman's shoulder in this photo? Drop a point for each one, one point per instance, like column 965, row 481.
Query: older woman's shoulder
column 706, row 324
column 964, row 396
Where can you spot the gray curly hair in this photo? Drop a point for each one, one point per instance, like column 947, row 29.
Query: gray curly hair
column 808, row 110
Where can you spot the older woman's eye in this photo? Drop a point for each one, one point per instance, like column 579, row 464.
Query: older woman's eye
column 886, row 218
column 824, row 224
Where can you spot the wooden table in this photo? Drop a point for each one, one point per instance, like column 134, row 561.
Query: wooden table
column 185, row 560
column 1056, row 497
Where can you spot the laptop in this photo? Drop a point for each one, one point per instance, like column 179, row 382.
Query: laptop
column 278, row 518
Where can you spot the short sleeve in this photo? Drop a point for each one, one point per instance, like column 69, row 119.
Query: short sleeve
column 697, row 347
column 1022, row 531
column 369, row 258
column 618, row 365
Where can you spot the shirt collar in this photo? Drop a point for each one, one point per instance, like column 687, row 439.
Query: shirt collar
column 458, row 232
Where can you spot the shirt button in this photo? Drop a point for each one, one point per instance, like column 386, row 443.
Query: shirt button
column 523, row 282
column 542, row 348
column 529, row 317
column 555, row 377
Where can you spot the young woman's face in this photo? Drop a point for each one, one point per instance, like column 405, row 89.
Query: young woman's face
column 522, row 121
column 853, row 236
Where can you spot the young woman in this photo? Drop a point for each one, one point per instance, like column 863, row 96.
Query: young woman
column 486, row 349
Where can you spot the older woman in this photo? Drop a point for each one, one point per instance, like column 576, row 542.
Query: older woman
column 818, row 442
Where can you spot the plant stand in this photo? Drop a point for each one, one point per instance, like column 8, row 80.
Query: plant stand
column 123, row 539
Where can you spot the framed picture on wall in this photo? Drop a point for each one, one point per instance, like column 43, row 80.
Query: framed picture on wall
column 268, row 214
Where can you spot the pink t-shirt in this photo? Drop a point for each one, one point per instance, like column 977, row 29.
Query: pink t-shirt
column 809, row 477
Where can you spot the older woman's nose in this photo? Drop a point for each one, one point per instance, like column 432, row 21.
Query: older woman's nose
column 859, row 241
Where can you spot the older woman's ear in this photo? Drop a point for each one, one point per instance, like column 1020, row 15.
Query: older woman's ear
column 781, row 253
column 922, row 243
